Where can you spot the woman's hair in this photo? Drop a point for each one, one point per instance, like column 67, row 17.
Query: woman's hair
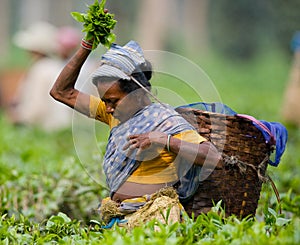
column 142, row 74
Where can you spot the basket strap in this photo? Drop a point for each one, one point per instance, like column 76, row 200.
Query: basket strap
column 261, row 176
column 233, row 160
column 242, row 166
column 276, row 192
column 268, row 178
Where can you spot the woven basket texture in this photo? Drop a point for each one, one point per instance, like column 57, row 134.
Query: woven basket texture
column 241, row 144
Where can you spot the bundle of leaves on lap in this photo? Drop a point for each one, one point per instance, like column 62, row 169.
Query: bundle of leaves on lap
column 97, row 24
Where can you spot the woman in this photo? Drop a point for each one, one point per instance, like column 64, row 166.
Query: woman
column 150, row 145
column 32, row 105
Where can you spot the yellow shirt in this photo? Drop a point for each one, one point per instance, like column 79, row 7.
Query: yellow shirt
column 160, row 169
column 98, row 111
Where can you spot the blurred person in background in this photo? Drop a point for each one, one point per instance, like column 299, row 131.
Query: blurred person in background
column 291, row 102
column 67, row 39
column 32, row 105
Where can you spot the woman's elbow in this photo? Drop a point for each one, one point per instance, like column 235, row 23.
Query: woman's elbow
column 67, row 96
column 58, row 94
column 54, row 93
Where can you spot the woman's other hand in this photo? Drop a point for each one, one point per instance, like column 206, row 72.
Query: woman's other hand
column 145, row 141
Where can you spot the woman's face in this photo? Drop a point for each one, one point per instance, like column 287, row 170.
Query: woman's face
column 118, row 103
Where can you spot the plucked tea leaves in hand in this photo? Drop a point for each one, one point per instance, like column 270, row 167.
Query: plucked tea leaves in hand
column 97, row 24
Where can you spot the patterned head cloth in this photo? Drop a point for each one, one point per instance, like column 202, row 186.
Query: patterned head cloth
column 119, row 62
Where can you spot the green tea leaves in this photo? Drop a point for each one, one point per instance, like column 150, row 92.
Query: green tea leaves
column 97, row 24
column 77, row 16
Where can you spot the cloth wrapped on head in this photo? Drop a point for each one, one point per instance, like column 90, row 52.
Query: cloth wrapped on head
column 120, row 62
column 38, row 37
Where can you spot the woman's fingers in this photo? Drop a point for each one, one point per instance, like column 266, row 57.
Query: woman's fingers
column 140, row 142
column 132, row 143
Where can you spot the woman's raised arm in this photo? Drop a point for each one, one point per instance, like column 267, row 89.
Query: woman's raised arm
column 64, row 90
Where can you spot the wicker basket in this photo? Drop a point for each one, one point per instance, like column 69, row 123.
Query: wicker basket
column 238, row 183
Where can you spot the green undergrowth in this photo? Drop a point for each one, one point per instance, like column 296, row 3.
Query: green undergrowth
column 211, row 228
column 48, row 197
